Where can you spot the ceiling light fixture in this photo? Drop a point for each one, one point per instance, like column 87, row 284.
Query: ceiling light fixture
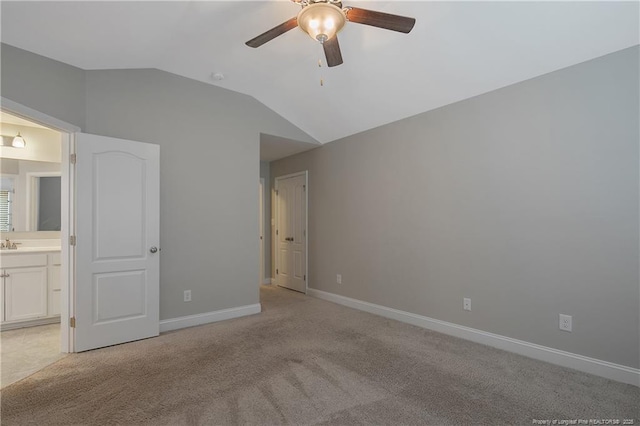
column 322, row 21
column 16, row 141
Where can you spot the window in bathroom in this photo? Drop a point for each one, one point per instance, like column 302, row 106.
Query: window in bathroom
column 5, row 211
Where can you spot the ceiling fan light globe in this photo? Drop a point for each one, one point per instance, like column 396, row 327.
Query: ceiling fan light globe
column 322, row 21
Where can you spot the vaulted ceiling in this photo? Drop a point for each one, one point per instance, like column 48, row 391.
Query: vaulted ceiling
column 456, row 50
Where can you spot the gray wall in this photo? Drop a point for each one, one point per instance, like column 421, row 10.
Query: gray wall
column 43, row 84
column 265, row 173
column 209, row 172
column 209, row 169
column 524, row 199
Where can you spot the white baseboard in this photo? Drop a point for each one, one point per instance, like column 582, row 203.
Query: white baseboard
column 208, row 317
column 29, row 323
column 266, row 281
column 609, row 370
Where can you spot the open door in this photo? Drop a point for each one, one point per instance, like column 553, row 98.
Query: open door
column 291, row 232
column 117, row 240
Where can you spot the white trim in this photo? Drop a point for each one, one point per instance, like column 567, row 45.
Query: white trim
column 30, row 114
column 304, row 173
column 261, row 227
column 208, row 317
column 30, row 323
column 68, row 259
column 594, row 366
column 266, row 281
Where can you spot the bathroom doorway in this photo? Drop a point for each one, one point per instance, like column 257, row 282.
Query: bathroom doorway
column 127, row 170
column 34, row 284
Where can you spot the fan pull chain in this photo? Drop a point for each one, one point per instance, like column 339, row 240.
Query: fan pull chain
column 320, row 66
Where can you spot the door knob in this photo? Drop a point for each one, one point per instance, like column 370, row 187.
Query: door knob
column 153, row 249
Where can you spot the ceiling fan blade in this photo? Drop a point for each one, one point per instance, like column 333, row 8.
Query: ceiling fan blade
column 332, row 51
column 387, row 21
column 273, row 33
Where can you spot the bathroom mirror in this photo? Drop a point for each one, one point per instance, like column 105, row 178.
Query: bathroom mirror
column 45, row 213
column 30, row 196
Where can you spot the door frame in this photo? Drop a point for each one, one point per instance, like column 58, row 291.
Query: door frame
column 261, row 230
column 274, row 239
column 67, row 264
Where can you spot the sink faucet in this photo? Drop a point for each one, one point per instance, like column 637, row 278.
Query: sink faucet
column 8, row 245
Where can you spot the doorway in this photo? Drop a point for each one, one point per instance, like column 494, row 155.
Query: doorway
column 34, row 221
column 64, row 259
column 111, row 194
column 291, row 244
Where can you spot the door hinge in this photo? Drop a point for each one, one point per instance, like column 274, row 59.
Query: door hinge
column 73, row 158
column 72, row 322
column 277, row 192
column 72, row 240
column 277, row 272
column 277, row 232
column 305, row 278
column 304, row 187
column 304, row 232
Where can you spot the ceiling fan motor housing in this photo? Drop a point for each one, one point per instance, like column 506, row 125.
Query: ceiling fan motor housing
column 322, row 20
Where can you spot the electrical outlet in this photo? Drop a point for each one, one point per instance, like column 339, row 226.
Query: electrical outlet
column 339, row 278
column 187, row 295
column 466, row 304
column 565, row 322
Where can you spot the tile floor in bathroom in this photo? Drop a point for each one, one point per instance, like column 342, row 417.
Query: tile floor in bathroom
column 26, row 350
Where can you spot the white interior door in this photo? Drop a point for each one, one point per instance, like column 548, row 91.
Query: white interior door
column 291, row 233
column 282, row 232
column 261, row 227
column 117, row 231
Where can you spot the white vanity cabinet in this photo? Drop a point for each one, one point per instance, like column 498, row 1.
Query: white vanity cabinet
column 54, row 284
column 30, row 286
column 25, row 291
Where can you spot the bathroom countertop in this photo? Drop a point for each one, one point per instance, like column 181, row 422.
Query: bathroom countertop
column 30, row 250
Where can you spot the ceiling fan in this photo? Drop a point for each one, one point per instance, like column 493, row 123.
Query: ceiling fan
column 323, row 19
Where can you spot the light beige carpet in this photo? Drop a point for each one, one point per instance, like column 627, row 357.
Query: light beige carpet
column 307, row 361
